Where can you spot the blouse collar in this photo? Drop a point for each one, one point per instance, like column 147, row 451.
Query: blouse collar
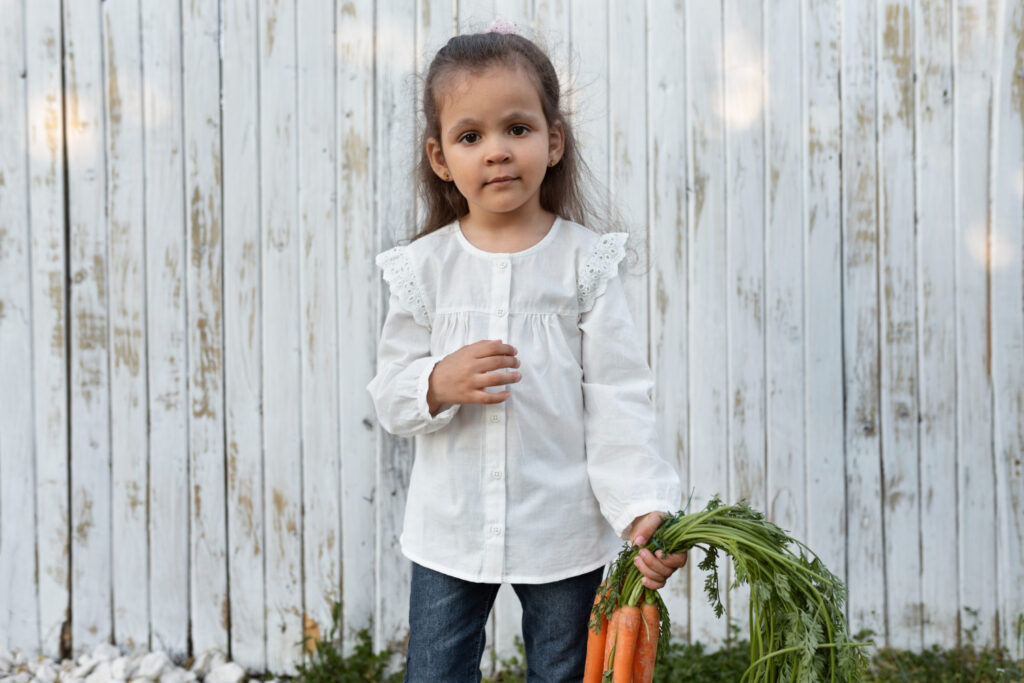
column 457, row 227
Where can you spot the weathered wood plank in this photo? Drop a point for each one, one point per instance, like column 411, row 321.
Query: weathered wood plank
column 208, row 606
column 89, row 382
column 860, row 320
column 166, row 331
column 49, row 316
column 19, row 625
column 243, row 328
column 708, row 388
column 321, row 486
column 744, row 113
column 129, row 439
column 669, row 248
column 394, row 143
column 822, row 289
column 784, row 257
column 358, row 285
column 1006, row 245
column 973, row 26
column 588, row 99
column 282, row 389
column 627, row 133
column 936, row 322
column 897, row 324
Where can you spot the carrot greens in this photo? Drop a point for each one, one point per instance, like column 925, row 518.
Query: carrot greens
column 797, row 626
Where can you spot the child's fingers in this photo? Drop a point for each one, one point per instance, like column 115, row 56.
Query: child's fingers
column 494, row 379
column 496, row 363
column 489, row 397
column 494, row 347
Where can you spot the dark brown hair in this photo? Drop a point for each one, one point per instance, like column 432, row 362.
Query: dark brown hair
column 561, row 192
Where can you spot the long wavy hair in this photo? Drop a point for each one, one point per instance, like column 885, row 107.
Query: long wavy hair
column 562, row 190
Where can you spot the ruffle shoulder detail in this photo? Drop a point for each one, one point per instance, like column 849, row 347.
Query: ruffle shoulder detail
column 600, row 265
column 400, row 274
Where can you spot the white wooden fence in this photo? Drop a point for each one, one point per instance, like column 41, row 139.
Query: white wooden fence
column 191, row 194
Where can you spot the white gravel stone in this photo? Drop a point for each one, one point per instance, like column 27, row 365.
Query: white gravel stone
column 105, row 652
column 100, row 674
column 207, row 661
column 85, row 666
column 154, row 664
column 226, row 673
column 46, row 672
column 122, row 668
column 174, row 676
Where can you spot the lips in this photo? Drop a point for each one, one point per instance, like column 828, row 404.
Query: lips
column 502, row 180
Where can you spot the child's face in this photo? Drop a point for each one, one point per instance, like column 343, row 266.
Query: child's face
column 495, row 143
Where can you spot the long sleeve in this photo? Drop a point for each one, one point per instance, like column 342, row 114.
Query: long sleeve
column 404, row 364
column 627, row 474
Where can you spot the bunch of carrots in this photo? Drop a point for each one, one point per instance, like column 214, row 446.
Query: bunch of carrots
column 797, row 625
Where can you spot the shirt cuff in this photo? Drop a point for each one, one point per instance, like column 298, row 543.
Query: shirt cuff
column 623, row 524
column 432, row 422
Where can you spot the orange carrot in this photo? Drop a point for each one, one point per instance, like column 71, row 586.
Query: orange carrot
column 595, row 648
column 647, row 644
column 621, row 643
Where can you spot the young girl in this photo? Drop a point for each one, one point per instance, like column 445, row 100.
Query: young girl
column 509, row 353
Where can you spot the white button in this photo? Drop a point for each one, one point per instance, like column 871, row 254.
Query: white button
column 496, row 474
column 500, row 312
column 496, row 530
column 495, row 418
column 502, row 265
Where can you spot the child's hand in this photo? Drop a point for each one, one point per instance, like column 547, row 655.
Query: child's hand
column 656, row 567
column 462, row 375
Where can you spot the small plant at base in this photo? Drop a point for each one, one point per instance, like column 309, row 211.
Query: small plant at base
column 327, row 665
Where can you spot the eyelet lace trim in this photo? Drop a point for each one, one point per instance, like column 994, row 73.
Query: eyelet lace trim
column 401, row 277
column 602, row 263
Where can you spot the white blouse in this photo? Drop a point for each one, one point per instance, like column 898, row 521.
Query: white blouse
column 546, row 484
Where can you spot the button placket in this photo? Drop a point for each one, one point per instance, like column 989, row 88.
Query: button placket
column 494, row 426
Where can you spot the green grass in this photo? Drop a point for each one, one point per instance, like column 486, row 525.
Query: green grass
column 693, row 663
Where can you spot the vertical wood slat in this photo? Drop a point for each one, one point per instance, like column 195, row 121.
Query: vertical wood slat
column 282, row 390
column 669, row 248
column 589, row 97
column 317, row 161
column 860, row 320
column 627, row 152
column 243, row 326
column 208, row 606
column 358, row 284
column 708, row 388
column 937, row 392
column 129, row 443
column 1006, row 245
column 823, row 324
column 744, row 112
column 784, row 258
column 897, row 324
column 18, row 584
column 393, row 148
column 44, row 99
column 973, row 146
column 166, row 330
column 89, row 381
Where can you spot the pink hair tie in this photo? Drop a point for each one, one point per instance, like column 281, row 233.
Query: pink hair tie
column 501, row 26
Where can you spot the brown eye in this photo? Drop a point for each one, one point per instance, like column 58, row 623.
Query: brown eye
column 469, row 138
column 518, row 130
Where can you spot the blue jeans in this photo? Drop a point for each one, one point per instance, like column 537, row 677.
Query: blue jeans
column 447, row 617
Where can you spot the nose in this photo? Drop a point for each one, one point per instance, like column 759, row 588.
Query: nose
column 497, row 154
